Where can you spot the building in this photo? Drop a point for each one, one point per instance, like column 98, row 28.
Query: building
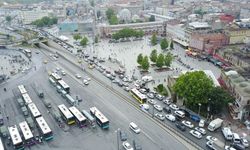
column 244, row 13
column 207, row 42
column 196, row 27
column 147, row 27
column 28, row 16
column 69, row 26
column 240, row 88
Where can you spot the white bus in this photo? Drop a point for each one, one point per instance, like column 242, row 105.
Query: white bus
column 67, row 115
column 101, row 120
column 52, row 81
column 141, row 98
column 16, row 138
column 89, row 117
column 44, row 128
column 27, row 134
column 55, row 76
column 26, row 98
column 70, row 99
column 22, row 89
column 34, row 110
column 64, row 85
column 1, row 145
column 80, row 119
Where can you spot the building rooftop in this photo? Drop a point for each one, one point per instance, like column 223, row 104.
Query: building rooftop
column 197, row 25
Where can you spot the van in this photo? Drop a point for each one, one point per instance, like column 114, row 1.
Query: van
column 147, row 78
column 227, row 133
column 179, row 113
column 134, row 127
column 58, row 89
column 236, row 138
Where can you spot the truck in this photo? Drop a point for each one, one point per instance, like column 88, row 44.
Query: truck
column 215, row 124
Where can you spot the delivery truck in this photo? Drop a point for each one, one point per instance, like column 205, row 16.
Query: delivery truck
column 215, row 124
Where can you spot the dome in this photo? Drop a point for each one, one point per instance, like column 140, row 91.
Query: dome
column 125, row 15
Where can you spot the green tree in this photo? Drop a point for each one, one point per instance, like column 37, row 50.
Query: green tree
column 154, row 39
column 172, row 45
column 84, row 41
column 219, row 98
column 160, row 61
column 96, row 39
column 168, row 59
column 8, row 18
column 113, row 20
column 153, row 55
column 45, row 21
column 164, row 44
column 140, row 59
column 194, row 88
column 77, row 37
column 110, row 12
column 152, row 18
column 145, row 63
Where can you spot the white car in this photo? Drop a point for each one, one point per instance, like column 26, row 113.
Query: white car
column 78, row 76
column 127, row 146
column 170, row 117
column 229, row 148
column 244, row 142
column 174, row 107
column 160, row 116
column 134, row 127
column 63, row 72
column 211, row 138
column 158, row 107
column 85, row 81
column 201, row 130
column 201, row 123
column 196, row 134
column 88, row 78
column 150, row 101
column 188, row 124
column 167, row 101
column 144, row 106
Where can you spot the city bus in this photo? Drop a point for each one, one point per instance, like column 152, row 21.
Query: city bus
column 27, row 134
column 16, row 138
column 64, row 85
column 141, row 98
column 101, row 120
column 80, row 119
column 26, row 98
column 1, row 145
column 52, row 81
column 35, row 113
column 70, row 99
column 67, row 115
column 91, row 119
column 22, row 89
column 55, row 76
column 44, row 128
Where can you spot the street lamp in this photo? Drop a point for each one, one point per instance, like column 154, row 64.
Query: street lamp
column 208, row 108
column 199, row 108
column 117, row 137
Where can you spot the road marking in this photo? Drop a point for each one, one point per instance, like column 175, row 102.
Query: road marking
column 149, row 137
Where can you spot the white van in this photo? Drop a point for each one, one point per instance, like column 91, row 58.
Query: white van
column 236, row 138
column 227, row 133
column 179, row 113
column 134, row 127
column 147, row 78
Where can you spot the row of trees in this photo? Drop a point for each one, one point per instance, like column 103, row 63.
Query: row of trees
column 112, row 18
column 196, row 88
column 83, row 40
column 45, row 21
column 126, row 33
column 143, row 61
column 164, row 43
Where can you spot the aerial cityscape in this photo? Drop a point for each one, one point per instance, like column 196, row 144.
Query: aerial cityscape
column 124, row 74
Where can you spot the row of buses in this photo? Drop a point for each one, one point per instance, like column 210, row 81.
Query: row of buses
column 72, row 115
column 26, row 132
column 55, row 79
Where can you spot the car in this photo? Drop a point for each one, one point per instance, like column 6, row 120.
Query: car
column 143, row 91
column 126, row 88
column 123, row 135
column 229, row 148
column 85, row 82
column 201, row 130
column 238, row 146
column 88, row 78
column 134, row 127
column 202, row 123
column 244, row 142
column 167, row 109
column 179, row 114
column 167, row 101
column 78, row 76
column 150, row 101
column 170, row 117
column 63, row 72
column 211, row 138
column 58, row 69
column 180, row 126
column 187, row 124
column 144, row 107
column 45, row 61
column 120, row 83
column 159, row 97
column 136, row 145
column 174, row 107
column 210, row 145
column 160, row 116
column 158, row 107
column 127, row 146
column 196, row 134
column 150, row 95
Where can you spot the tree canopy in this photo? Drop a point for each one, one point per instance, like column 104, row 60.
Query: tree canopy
column 140, row 59
column 152, row 18
column 84, row 41
column 110, row 12
column 172, row 45
column 45, row 21
column 154, row 39
column 168, row 59
column 145, row 63
column 113, row 20
column 160, row 61
column 8, row 18
column 194, row 88
column 164, row 44
column 126, row 33
column 153, row 55
column 77, row 37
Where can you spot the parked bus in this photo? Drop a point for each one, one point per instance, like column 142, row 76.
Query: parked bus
column 89, row 117
column 52, row 81
column 22, row 89
column 70, row 99
column 67, row 115
column 141, row 98
column 26, row 98
column 64, row 85
column 44, row 128
column 80, row 119
column 55, row 76
column 101, row 120
column 27, row 134
column 35, row 113
column 1, row 145
column 16, row 138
